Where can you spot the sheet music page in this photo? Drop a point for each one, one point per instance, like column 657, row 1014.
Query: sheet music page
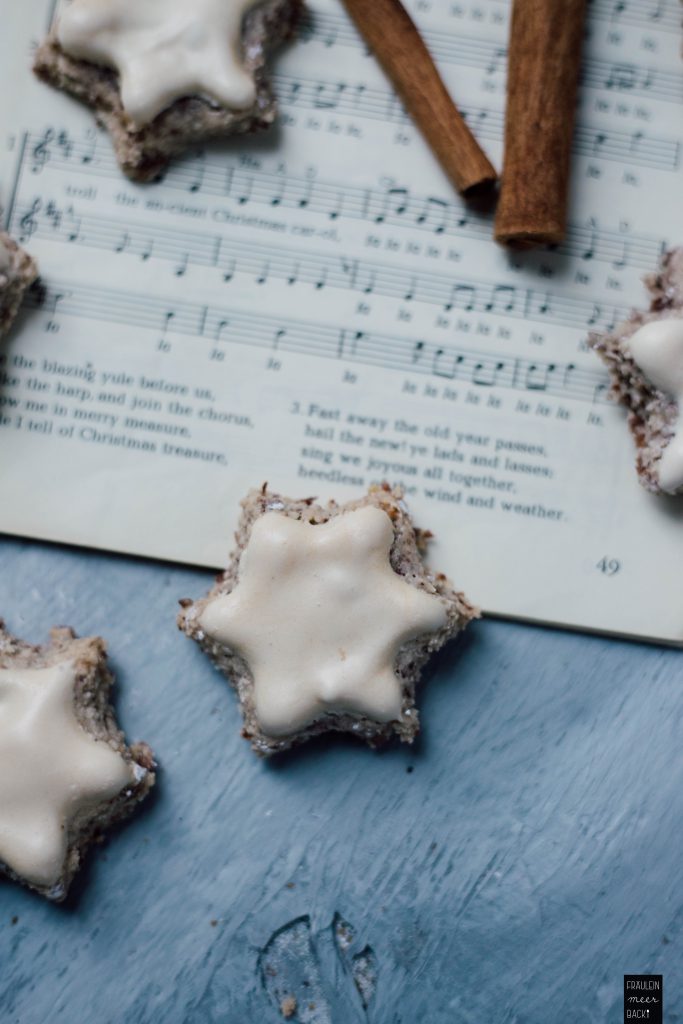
column 317, row 308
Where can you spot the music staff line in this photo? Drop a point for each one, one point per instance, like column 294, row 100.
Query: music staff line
column 489, row 57
column 393, row 206
column 383, row 105
column 320, row 270
column 453, row 363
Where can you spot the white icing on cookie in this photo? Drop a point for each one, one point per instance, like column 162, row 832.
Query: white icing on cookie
column 319, row 615
column 163, row 50
column 50, row 770
column 657, row 348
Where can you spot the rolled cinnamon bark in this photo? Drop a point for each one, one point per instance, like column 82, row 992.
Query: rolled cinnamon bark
column 543, row 71
column 399, row 47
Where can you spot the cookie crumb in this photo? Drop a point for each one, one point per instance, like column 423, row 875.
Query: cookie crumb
column 288, row 1007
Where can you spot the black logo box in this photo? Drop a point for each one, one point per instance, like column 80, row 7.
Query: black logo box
column 643, row 999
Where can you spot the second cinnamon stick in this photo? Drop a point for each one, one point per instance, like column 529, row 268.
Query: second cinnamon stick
column 543, row 71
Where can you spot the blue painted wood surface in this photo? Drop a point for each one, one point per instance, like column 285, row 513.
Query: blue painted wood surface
column 506, row 870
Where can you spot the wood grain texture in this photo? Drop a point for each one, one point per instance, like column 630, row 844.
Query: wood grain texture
column 398, row 46
column 543, row 70
column 508, row 869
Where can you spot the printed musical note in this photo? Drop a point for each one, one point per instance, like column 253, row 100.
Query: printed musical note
column 262, row 277
column 278, row 195
column 245, row 193
column 278, row 337
column 598, row 141
column 200, row 168
column 146, row 250
column 503, row 299
column 435, row 214
column 621, row 76
column 599, row 391
column 621, row 261
column 167, row 318
column 88, row 153
column 327, row 95
column 536, row 377
column 462, row 296
column 342, row 342
column 293, row 276
column 337, row 208
column 72, row 225
column 445, row 362
column 589, row 251
column 397, row 199
column 497, row 60
column 304, row 200
column 221, row 325
column 55, row 298
column 322, row 279
column 485, row 372
column 409, row 293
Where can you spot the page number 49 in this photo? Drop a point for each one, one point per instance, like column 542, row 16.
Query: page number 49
column 608, row 566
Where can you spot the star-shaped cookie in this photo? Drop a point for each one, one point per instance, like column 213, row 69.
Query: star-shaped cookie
column 163, row 50
column 163, row 75
column 17, row 272
column 657, row 349
column 66, row 773
column 325, row 618
column 645, row 358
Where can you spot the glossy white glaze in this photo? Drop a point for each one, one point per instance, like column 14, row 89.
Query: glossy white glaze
column 163, row 50
column 319, row 615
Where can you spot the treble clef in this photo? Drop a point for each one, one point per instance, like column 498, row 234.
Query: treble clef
column 41, row 151
column 28, row 223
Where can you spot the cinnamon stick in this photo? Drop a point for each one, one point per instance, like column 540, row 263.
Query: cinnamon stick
column 399, row 47
column 543, row 71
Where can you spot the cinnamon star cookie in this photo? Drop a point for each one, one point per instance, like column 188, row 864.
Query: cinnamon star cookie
column 325, row 617
column 17, row 272
column 645, row 360
column 66, row 773
column 163, row 75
